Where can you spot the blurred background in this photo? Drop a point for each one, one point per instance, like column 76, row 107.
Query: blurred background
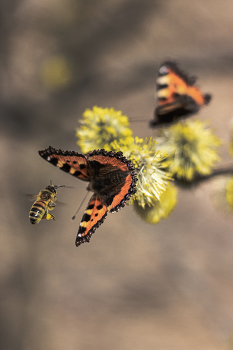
column 134, row 286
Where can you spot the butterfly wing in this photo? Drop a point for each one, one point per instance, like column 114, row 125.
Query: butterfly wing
column 177, row 95
column 113, row 177
column 93, row 217
column 71, row 162
column 113, row 180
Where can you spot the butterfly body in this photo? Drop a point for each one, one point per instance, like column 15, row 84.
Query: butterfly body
column 177, row 95
column 110, row 175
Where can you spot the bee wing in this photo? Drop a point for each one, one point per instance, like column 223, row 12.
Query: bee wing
column 59, row 203
column 31, row 197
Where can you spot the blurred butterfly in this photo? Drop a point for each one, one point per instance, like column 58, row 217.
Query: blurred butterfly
column 177, row 95
column 110, row 175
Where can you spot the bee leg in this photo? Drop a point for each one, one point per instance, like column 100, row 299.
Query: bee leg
column 50, row 217
column 51, row 206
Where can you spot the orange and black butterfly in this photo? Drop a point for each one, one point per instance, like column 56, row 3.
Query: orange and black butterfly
column 177, row 95
column 110, row 175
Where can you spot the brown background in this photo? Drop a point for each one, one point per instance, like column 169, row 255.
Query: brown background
column 135, row 286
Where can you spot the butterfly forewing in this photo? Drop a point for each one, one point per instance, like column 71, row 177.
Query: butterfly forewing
column 167, row 86
column 108, row 159
column 71, row 162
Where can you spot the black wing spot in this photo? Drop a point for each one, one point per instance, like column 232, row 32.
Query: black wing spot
column 66, row 167
column 54, row 161
column 86, row 217
column 77, row 173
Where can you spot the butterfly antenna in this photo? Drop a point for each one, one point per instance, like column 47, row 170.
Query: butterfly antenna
column 73, row 217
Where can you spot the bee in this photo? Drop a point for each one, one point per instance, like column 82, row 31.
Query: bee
column 45, row 202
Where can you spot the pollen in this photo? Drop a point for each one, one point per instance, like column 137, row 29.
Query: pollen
column 191, row 148
column 160, row 209
column 101, row 126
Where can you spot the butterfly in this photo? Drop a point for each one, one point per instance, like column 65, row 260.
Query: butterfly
column 177, row 95
column 110, row 175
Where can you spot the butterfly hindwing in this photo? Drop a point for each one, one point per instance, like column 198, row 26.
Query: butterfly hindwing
column 93, row 217
column 177, row 95
column 122, row 193
column 71, row 162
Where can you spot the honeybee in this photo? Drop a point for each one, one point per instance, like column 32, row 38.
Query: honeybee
column 45, row 202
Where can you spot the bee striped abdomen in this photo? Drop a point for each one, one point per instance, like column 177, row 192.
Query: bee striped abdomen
column 37, row 212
